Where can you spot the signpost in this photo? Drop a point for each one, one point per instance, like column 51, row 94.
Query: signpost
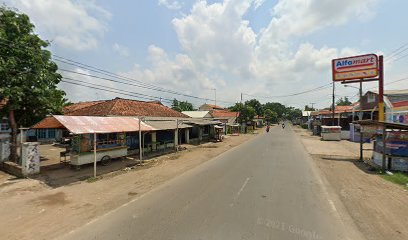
column 359, row 69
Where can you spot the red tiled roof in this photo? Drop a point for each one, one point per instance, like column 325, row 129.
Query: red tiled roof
column 77, row 106
column 224, row 113
column 48, row 122
column 126, row 107
column 211, row 106
column 400, row 104
column 344, row 109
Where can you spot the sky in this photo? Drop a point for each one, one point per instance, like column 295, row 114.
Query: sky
column 166, row 49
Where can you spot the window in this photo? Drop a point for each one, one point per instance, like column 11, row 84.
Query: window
column 4, row 127
column 51, row 133
column 371, row 98
column 41, row 133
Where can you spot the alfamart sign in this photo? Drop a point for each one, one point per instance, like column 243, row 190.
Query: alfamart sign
column 357, row 67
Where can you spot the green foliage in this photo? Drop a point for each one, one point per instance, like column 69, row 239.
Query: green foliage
column 255, row 104
column 398, row 178
column 247, row 113
column 28, row 77
column 181, row 106
column 293, row 113
column 276, row 107
column 343, row 102
column 307, row 108
column 271, row 116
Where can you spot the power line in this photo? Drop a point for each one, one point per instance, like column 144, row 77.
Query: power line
column 117, row 89
column 325, row 86
column 141, row 84
column 112, row 90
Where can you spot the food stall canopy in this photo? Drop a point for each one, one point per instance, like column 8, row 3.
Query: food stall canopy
column 90, row 124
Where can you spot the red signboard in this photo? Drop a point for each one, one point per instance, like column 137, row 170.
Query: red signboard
column 357, row 67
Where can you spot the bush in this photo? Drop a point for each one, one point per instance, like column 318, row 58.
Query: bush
column 304, row 126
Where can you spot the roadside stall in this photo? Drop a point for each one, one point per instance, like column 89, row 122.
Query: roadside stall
column 219, row 132
column 390, row 144
column 95, row 139
column 331, row 133
column 234, row 129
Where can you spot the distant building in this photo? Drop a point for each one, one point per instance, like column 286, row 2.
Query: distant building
column 197, row 114
column 210, row 107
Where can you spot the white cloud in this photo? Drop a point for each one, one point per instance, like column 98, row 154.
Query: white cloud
column 121, row 50
column 221, row 50
column 77, row 93
column 173, row 5
column 258, row 3
column 300, row 17
column 72, row 24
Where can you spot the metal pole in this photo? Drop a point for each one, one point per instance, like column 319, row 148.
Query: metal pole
column 361, row 114
column 177, row 135
column 381, row 91
column 384, row 148
column 94, row 154
column 333, row 110
column 215, row 96
column 140, row 142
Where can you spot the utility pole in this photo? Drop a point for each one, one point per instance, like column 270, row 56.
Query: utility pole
column 140, row 141
column 361, row 114
column 333, row 110
column 241, row 97
column 312, row 104
column 381, row 116
column 215, row 96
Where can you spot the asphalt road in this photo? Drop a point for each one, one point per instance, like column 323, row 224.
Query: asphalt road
column 266, row 188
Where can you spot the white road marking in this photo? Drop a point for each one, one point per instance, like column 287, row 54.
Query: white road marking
column 239, row 192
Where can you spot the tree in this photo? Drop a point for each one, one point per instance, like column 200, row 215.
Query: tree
column 271, row 116
column 343, row 102
column 181, row 106
column 246, row 113
column 293, row 113
column 28, row 77
column 307, row 108
column 279, row 108
column 255, row 104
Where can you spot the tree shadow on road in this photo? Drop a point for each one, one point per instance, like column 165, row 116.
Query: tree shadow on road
column 362, row 165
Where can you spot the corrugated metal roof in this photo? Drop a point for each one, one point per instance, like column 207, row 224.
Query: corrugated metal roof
column 87, row 124
column 197, row 114
column 166, row 125
column 201, row 122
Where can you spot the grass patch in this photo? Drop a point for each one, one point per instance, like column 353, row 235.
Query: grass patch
column 397, row 178
column 94, row 179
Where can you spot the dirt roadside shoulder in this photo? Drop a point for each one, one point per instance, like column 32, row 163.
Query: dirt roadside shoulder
column 31, row 209
column 378, row 208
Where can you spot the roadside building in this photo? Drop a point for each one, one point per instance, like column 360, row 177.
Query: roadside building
column 117, row 107
column 4, row 125
column 210, row 107
column 259, row 121
column 198, row 114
